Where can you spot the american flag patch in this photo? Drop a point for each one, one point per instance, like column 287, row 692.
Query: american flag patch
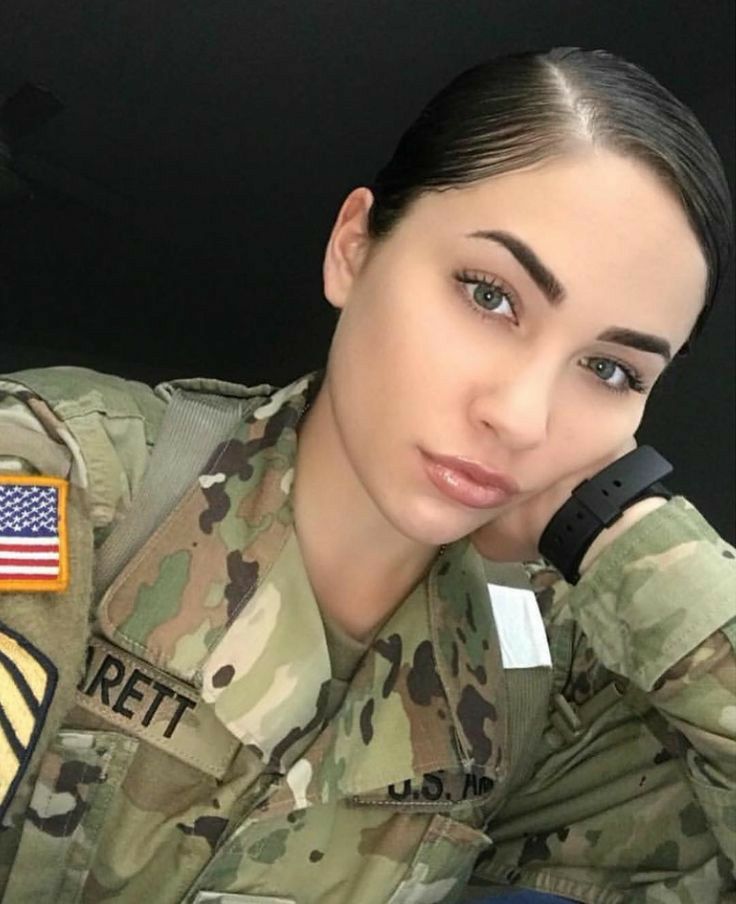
column 33, row 549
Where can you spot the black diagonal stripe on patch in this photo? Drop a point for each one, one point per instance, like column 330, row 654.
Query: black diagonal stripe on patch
column 6, row 726
column 11, row 774
column 20, row 683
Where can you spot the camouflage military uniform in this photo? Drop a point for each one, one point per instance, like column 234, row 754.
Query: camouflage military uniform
column 198, row 749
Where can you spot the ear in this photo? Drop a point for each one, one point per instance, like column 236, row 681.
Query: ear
column 348, row 247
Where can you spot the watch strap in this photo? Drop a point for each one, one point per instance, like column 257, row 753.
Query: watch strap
column 597, row 502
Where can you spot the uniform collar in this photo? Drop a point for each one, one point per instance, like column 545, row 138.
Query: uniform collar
column 429, row 695
column 242, row 625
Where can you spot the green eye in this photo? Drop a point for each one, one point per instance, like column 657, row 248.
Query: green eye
column 614, row 375
column 604, row 368
column 488, row 296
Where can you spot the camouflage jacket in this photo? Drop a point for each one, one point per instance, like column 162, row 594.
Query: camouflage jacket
column 181, row 739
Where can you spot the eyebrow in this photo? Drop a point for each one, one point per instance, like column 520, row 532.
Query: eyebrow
column 645, row 342
column 545, row 279
column 554, row 292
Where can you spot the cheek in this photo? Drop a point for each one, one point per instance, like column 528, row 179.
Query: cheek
column 369, row 366
column 394, row 343
column 593, row 429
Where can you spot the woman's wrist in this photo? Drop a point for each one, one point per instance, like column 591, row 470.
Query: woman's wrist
column 630, row 517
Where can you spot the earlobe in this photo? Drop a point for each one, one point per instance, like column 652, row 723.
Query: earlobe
column 347, row 247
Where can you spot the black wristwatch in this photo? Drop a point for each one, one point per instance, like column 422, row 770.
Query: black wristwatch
column 599, row 501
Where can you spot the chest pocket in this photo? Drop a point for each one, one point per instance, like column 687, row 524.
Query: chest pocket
column 443, row 863
column 336, row 853
column 81, row 773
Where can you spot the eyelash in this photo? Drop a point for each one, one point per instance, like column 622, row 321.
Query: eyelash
column 634, row 381
column 467, row 277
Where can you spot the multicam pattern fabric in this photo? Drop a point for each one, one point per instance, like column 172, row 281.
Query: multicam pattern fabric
column 432, row 766
column 633, row 792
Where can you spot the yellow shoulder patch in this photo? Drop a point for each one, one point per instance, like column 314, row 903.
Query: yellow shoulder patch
column 33, row 533
column 27, row 684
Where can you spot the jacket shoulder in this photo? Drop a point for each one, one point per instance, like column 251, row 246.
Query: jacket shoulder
column 106, row 425
column 78, row 391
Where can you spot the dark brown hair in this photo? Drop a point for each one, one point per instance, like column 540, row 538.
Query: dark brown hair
column 515, row 111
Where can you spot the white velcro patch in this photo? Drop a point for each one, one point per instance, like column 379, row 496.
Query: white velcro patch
column 520, row 628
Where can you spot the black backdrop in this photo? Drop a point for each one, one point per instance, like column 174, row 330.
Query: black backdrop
column 183, row 196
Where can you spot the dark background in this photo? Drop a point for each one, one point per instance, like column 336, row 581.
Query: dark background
column 183, row 196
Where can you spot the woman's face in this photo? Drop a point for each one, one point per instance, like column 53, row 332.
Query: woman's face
column 518, row 323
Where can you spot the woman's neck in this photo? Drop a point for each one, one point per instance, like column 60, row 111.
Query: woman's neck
column 360, row 567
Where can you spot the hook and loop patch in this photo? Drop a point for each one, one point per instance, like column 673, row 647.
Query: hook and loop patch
column 33, row 533
column 27, row 684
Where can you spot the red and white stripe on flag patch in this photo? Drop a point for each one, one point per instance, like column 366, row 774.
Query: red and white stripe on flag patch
column 33, row 543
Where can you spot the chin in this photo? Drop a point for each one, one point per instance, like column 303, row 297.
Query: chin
column 434, row 523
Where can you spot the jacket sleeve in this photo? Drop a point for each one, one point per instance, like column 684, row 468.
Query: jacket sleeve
column 80, row 430
column 42, row 632
column 636, row 803
column 659, row 608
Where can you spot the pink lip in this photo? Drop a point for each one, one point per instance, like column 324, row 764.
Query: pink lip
column 468, row 482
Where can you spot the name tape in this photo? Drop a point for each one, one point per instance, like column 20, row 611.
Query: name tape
column 161, row 710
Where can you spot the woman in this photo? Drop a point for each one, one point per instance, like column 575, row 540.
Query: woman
column 295, row 685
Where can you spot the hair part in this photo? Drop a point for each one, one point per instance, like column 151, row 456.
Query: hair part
column 515, row 111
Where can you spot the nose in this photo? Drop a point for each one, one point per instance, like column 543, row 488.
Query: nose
column 516, row 405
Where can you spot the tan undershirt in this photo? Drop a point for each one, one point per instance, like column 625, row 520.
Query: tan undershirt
column 345, row 651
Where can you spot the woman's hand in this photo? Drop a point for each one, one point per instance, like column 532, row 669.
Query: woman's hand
column 513, row 536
